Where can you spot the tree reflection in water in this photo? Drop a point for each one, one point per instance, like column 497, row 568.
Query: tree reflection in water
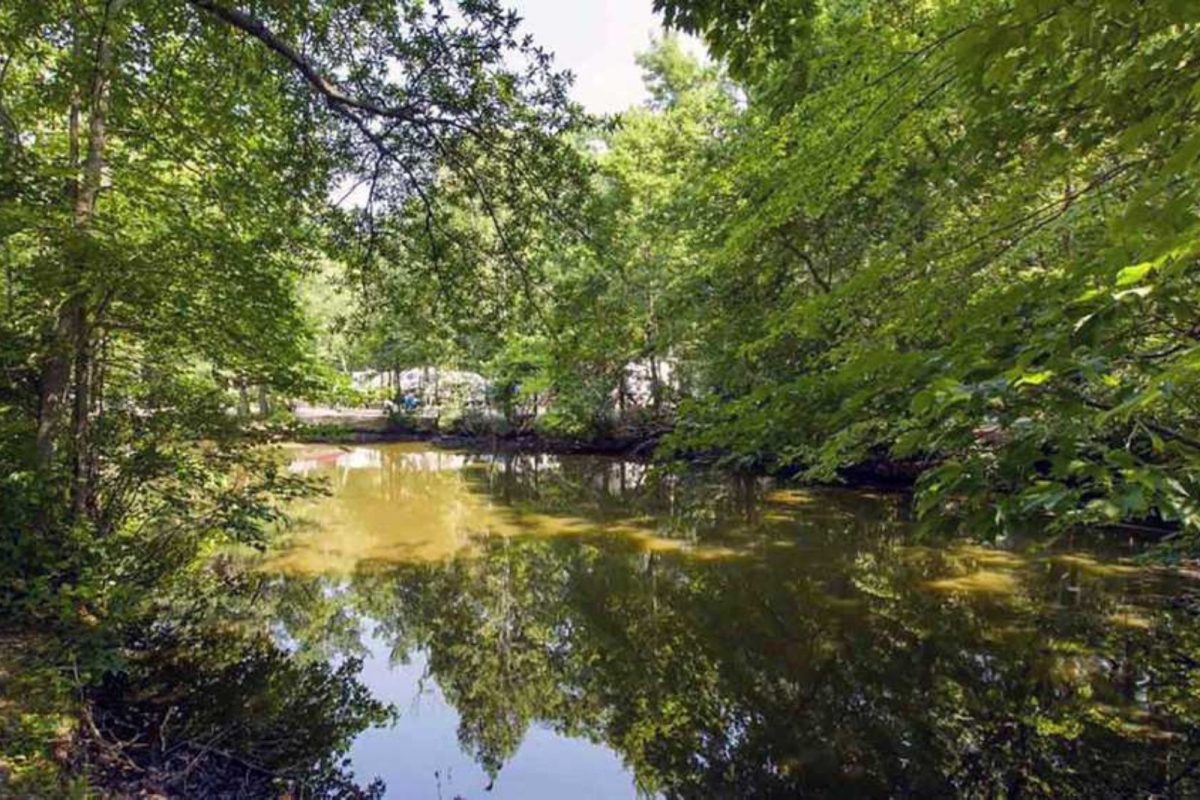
column 731, row 639
column 216, row 712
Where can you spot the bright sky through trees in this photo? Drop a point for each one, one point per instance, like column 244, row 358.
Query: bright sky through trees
column 597, row 40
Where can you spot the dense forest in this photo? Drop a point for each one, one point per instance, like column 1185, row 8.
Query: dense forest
column 954, row 240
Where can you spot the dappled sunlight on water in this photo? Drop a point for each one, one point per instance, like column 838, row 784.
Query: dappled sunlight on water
column 993, row 582
column 405, row 503
column 411, row 505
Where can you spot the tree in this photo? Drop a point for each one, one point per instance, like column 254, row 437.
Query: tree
column 930, row 239
column 169, row 173
column 224, row 201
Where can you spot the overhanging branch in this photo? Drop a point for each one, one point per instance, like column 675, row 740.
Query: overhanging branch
column 332, row 93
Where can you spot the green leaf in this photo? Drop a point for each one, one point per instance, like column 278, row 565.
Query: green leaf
column 1131, row 275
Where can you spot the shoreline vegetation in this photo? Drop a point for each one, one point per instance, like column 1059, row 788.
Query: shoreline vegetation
column 876, row 473
column 951, row 246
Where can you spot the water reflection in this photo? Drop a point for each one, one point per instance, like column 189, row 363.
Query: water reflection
column 728, row 638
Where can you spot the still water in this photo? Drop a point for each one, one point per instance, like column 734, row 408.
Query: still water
column 579, row 627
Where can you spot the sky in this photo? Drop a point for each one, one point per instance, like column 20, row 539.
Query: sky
column 597, row 41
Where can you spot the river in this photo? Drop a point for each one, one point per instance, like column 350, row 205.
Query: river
column 552, row 626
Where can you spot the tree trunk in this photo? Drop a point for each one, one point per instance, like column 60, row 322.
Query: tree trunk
column 52, row 385
column 9, row 288
column 264, row 400
column 81, row 461
column 85, row 209
column 243, row 398
column 52, row 391
column 655, row 391
column 71, row 347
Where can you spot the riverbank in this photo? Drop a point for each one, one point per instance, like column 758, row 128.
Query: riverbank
column 639, row 448
column 358, row 428
column 315, row 425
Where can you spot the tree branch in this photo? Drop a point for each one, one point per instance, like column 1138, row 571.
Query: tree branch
column 332, row 93
column 808, row 262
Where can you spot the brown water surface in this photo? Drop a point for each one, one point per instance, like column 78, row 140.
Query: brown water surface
column 558, row 626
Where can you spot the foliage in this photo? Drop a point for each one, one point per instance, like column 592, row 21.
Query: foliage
column 170, row 178
column 961, row 234
column 980, row 283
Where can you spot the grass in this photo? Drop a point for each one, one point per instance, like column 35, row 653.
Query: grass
column 39, row 713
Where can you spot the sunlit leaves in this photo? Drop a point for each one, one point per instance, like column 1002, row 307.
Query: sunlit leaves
column 995, row 201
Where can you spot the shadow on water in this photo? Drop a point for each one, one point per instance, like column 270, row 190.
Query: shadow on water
column 728, row 638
